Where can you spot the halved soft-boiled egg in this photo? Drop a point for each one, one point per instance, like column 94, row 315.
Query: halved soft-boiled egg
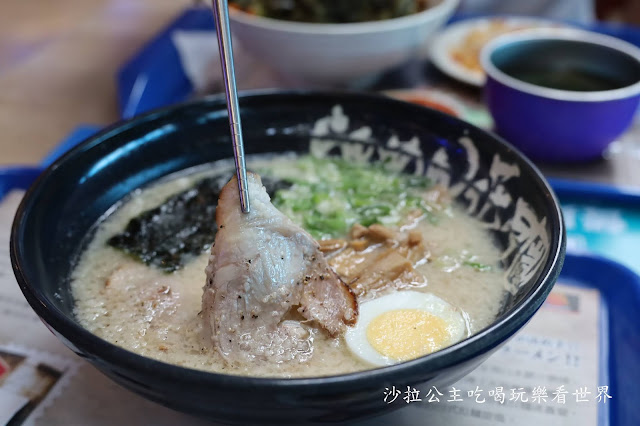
column 403, row 326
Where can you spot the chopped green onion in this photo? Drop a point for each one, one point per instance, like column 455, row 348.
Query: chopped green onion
column 478, row 266
column 330, row 195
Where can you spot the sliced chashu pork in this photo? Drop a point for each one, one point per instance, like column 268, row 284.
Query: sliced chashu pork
column 263, row 271
column 376, row 259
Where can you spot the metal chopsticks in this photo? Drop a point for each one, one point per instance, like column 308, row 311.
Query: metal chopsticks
column 221, row 15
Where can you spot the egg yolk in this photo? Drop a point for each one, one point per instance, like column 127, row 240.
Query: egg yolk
column 405, row 334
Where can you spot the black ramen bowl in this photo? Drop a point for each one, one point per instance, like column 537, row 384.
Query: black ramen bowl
column 492, row 180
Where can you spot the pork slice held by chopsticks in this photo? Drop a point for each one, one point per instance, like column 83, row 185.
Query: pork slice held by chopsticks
column 263, row 272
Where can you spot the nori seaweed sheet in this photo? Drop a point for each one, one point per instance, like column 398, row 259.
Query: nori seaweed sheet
column 182, row 227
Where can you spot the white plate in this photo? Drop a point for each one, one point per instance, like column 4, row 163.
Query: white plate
column 453, row 35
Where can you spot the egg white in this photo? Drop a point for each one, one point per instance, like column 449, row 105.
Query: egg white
column 356, row 336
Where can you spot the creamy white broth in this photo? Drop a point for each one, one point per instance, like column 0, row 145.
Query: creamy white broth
column 155, row 314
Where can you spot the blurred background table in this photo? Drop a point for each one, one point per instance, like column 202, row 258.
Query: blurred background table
column 58, row 61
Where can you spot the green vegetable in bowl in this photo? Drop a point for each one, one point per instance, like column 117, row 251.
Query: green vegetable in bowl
column 481, row 267
column 348, row 194
column 331, row 11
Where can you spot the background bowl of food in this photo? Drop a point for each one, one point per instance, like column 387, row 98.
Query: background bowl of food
column 337, row 42
column 561, row 95
column 460, row 236
column 456, row 49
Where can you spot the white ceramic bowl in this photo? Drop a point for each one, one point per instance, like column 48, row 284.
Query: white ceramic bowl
column 339, row 53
